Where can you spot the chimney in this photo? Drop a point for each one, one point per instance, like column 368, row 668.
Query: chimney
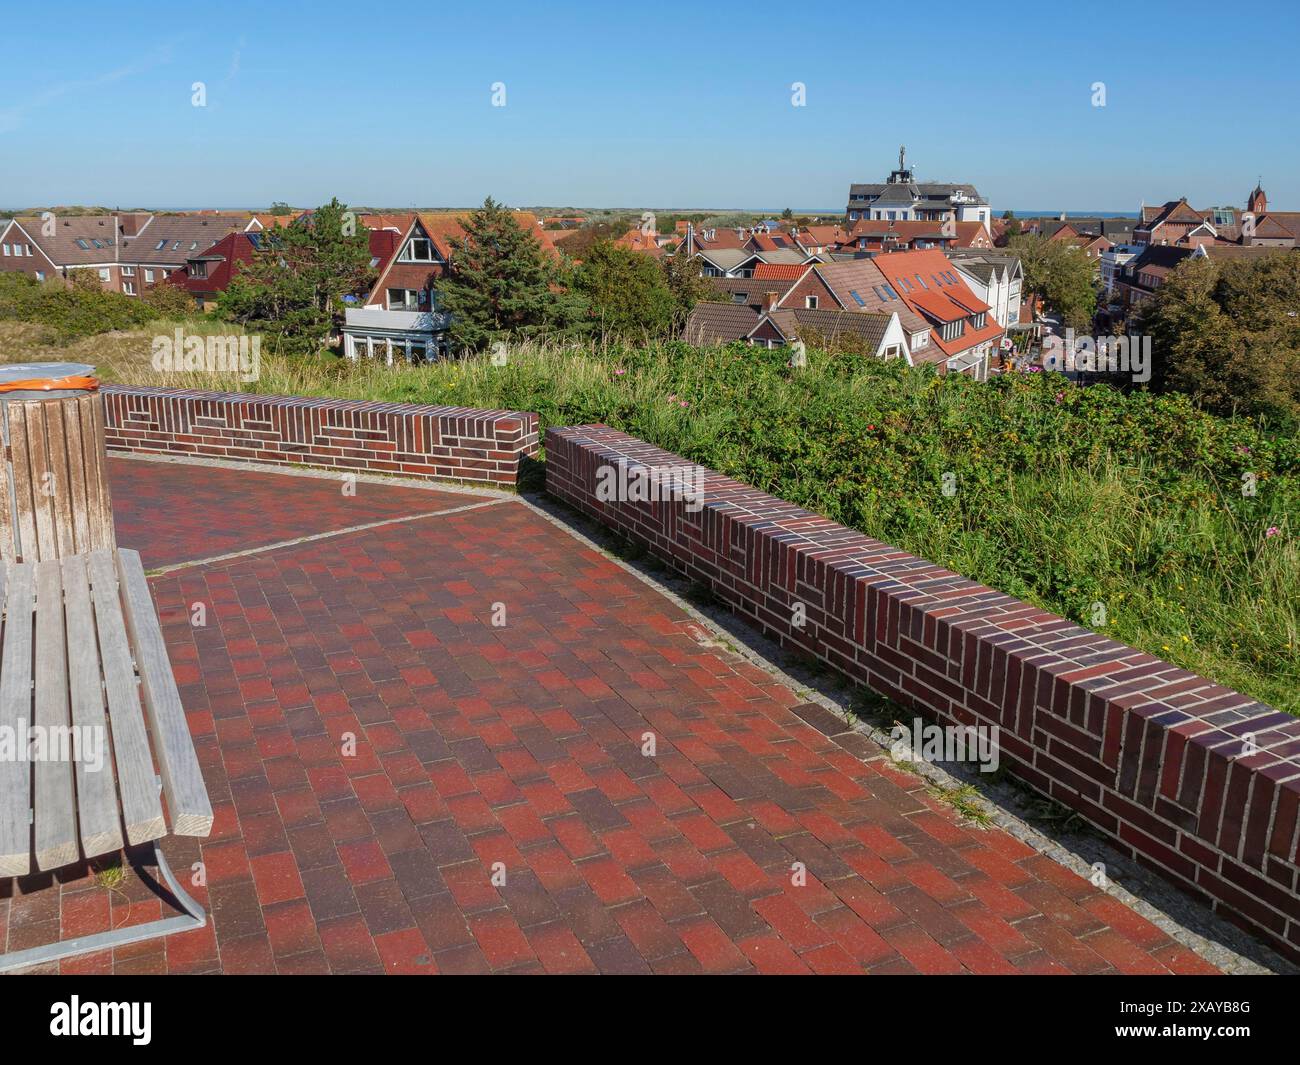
column 769, row 301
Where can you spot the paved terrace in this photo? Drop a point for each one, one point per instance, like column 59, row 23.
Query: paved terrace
column 521, row 745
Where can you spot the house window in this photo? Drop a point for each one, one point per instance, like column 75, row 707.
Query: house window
column 5, row 248
column 128, row 287
column 104, row 275
column 402, row 299
column 148, row 277
column 810, row 302
column 739, row 297
column 128, row 271
column 40, row 275
column 198, row 269
column 420, row 249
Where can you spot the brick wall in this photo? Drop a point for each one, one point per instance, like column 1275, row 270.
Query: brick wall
column 406, row 439
column 1154, row 756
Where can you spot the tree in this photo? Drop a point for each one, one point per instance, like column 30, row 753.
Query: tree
column 85, row 279
column 787, row 214
column 682, row 276
column 169, row 301
column 1061, row 275
column 279, row 208
column 626, row 292
column 499, row 287
column 588, row 236
column 1223, row 334
column 292, row 290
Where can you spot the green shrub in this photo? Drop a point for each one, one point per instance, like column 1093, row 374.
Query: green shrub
column 69, row 311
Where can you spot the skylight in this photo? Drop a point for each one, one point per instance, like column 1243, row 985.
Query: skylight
column 860, row 301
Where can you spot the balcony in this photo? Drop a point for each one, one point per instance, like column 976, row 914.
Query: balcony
column 379, row 320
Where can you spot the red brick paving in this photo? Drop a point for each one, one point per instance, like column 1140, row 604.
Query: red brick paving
column 175, row 512
column 521, row 745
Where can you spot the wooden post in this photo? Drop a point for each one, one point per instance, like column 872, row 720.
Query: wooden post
column 56, row 498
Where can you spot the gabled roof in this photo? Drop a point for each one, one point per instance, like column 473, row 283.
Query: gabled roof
column 171, row 240
column 820, row 236
column 223, row 259
column 753, row 289
column 858, row 285
column 972, row 234
column 832, row 323
column 720, row 323
column 727, row 258
column 1271, row 227
column 929, row 283
column 64, row 246
column 779, row 271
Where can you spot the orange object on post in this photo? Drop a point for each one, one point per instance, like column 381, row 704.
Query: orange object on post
column 45, row 384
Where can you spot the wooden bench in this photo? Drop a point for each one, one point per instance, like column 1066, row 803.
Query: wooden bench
column 84, row 671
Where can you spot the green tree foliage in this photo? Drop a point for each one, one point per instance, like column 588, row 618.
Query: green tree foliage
column 682, row 275
column 1226, row 334
column 70, row 311
column 500, row 285
column 579, row 245
column 292, row 290
column 626, row 292
column 1059, row 273
column 169, row 301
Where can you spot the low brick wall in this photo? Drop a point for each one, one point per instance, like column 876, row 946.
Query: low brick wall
column 457, row 443
column 1156, row 757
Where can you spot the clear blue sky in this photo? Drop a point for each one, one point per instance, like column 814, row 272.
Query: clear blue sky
column 664, row 104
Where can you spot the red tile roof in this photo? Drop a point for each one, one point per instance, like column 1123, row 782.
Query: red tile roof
column 780, row 271
column 223, row 260
column 929, row 284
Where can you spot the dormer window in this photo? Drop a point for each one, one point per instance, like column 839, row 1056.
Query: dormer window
column 420, row 250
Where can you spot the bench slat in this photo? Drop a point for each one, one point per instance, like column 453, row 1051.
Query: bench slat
column 54, row 797
column 24, row 505
column 15, row 715
column 187, row 796
column 101, row 825
column 137, row 781
column 59, row 485
column 77, row 476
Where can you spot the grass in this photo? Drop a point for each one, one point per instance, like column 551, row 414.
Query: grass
column 1071, row 499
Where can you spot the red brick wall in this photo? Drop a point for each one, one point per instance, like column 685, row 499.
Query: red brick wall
column 1149, row 753
column 406, row 439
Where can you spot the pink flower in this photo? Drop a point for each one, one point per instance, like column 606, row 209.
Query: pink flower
column 619, row 373
column 1272, row 530
column 1060, row 397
